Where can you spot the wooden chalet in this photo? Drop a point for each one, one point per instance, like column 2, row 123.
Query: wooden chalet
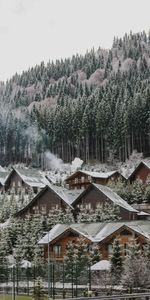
column 99, row 195
column 142, row 171
column 26, row 178
column 50, row 198
column 102, row 234
column 81, row 179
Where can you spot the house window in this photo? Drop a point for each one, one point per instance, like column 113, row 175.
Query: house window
column 126, row 247
column 57, row 250
column 35, row 190
column 89, row 178
column 125, row 232
column 57, row 206
column 88, row 206
column 110, row 249
column 82, row 179
column 36, row 209
column 43, row 209
column 76, row 180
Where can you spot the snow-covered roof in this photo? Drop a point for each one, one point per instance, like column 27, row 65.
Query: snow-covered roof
column 101, row 265
column 107, row 230
column 57, row 230
column 146, row 163
column 25, row 264
column 31, row 177
column 12, row 262
column 86, row 230
column 69, row 196
column 3, row 176
column 97, row 232
column 115, row 198
column 99, row 174
column 141, row 228
column 143, row 213
column 104, row 175
column 2, row 169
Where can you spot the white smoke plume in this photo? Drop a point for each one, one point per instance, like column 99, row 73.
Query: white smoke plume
column 53, row 162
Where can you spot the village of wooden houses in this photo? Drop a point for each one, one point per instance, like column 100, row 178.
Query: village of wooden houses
column 86, row 211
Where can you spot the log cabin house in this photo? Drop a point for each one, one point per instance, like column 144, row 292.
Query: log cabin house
column 50, row 198
column 102, row 234
column 142, row 171
column 26, row 178
column 81, row 179
column 98, row 195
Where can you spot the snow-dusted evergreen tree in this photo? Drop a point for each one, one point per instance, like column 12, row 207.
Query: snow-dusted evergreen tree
column 85, row 215
column 38, row 290
column 79, row 257
column 69, row 260
column 107, row 212
column 102, row 213
column 138, row 191
column 68, row 216
column 94, row 254
column 147, row 250
column 116, row 262
column 134, row 249
column 136, row 271
column 147, row 190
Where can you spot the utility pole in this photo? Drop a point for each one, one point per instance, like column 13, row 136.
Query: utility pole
column 13, row 283
column 48, row 254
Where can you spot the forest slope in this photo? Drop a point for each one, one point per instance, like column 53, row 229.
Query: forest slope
column 96, row 106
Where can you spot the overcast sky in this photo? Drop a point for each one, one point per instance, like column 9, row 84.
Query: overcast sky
column 35, row 30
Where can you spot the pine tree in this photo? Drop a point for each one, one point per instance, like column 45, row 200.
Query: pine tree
column 116, row 262
column 94, row 254
column 38, row 291
column 136, row 271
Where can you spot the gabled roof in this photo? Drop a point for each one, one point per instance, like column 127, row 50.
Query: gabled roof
column 104, row 175
column 115, row 198
column 142, row 163
column 147, row 163
column 68, row 196
column 3, row 177
column 31, row 177
column 110, row 194
column 86, row 230
column 97, row 232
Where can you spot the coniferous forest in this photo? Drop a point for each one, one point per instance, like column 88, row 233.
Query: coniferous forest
column 95, row 106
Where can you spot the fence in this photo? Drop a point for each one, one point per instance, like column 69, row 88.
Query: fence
column 58, row 281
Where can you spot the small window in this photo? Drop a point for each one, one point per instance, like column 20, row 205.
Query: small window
column 57, row 250
column 76, row 180
column 57, row 206
column 35, row 190
column 36, row 209
column 110, row 249
column 88, row 206
column 82, row 179
column 43, row 209
column 89, row 178
column 125, row 232
column 126, row 247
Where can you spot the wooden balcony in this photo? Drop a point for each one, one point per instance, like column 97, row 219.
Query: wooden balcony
column 57, row 257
